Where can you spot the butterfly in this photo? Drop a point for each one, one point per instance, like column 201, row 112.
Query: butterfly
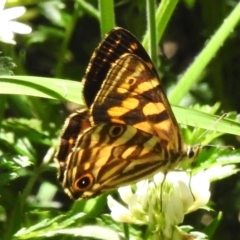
column 127, row 132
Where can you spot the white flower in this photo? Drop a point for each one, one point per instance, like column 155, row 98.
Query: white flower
column 9, row 27
column 219, row 172
column 162, row 202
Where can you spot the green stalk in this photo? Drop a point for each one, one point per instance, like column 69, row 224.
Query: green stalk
column 163, row 15
column 68, row 34
column 89, row 9
column 152, row 46
column 215, row 43
column 107, row 17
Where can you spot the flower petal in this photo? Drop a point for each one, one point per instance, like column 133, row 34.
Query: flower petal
column 6, row 36
column 2, row 3
column 18, row 27
column 12, row 13
column 200, row 189
column 220, row 172
column 125, row 193
column 119, row 213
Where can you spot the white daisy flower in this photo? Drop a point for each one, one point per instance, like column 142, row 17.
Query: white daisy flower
column 9, row 27
column 162, row 203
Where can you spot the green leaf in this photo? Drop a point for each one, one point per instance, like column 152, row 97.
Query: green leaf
column 212, row 227
column 6, row 66
column 41, row 87
column 71, row 91
column 214, row 44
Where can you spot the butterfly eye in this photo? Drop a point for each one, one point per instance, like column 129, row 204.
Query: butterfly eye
column 190, row 153
column 116, row 131
column 84, row 182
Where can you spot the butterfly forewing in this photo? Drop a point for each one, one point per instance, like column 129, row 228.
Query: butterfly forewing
column 132, row 94
column 118, row 42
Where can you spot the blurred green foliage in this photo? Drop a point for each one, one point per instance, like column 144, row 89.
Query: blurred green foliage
column 65, row 33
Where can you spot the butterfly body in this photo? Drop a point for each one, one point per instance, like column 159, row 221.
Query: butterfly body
column 128, row 132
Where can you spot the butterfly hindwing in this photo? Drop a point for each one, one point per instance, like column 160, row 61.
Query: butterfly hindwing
column 111, row 155
column 73, row 127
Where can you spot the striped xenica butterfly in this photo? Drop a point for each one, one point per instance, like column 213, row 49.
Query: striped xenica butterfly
column 127, row 132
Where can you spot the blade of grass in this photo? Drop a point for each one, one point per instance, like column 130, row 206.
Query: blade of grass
column 89, row 9
column 22, row 105
column 107, row 18
column 203, row 120
column 163, row 15
column 71, row 91
column 194, row 71
column 152, row 46
column 41, row 87
column 67, row 37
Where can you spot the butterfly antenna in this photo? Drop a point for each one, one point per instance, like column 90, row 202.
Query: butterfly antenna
column 211, row 126
column 216, row 146
column 223, row 147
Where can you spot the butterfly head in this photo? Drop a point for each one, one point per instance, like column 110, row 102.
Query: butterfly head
column 190, row 154
column 193, row 151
